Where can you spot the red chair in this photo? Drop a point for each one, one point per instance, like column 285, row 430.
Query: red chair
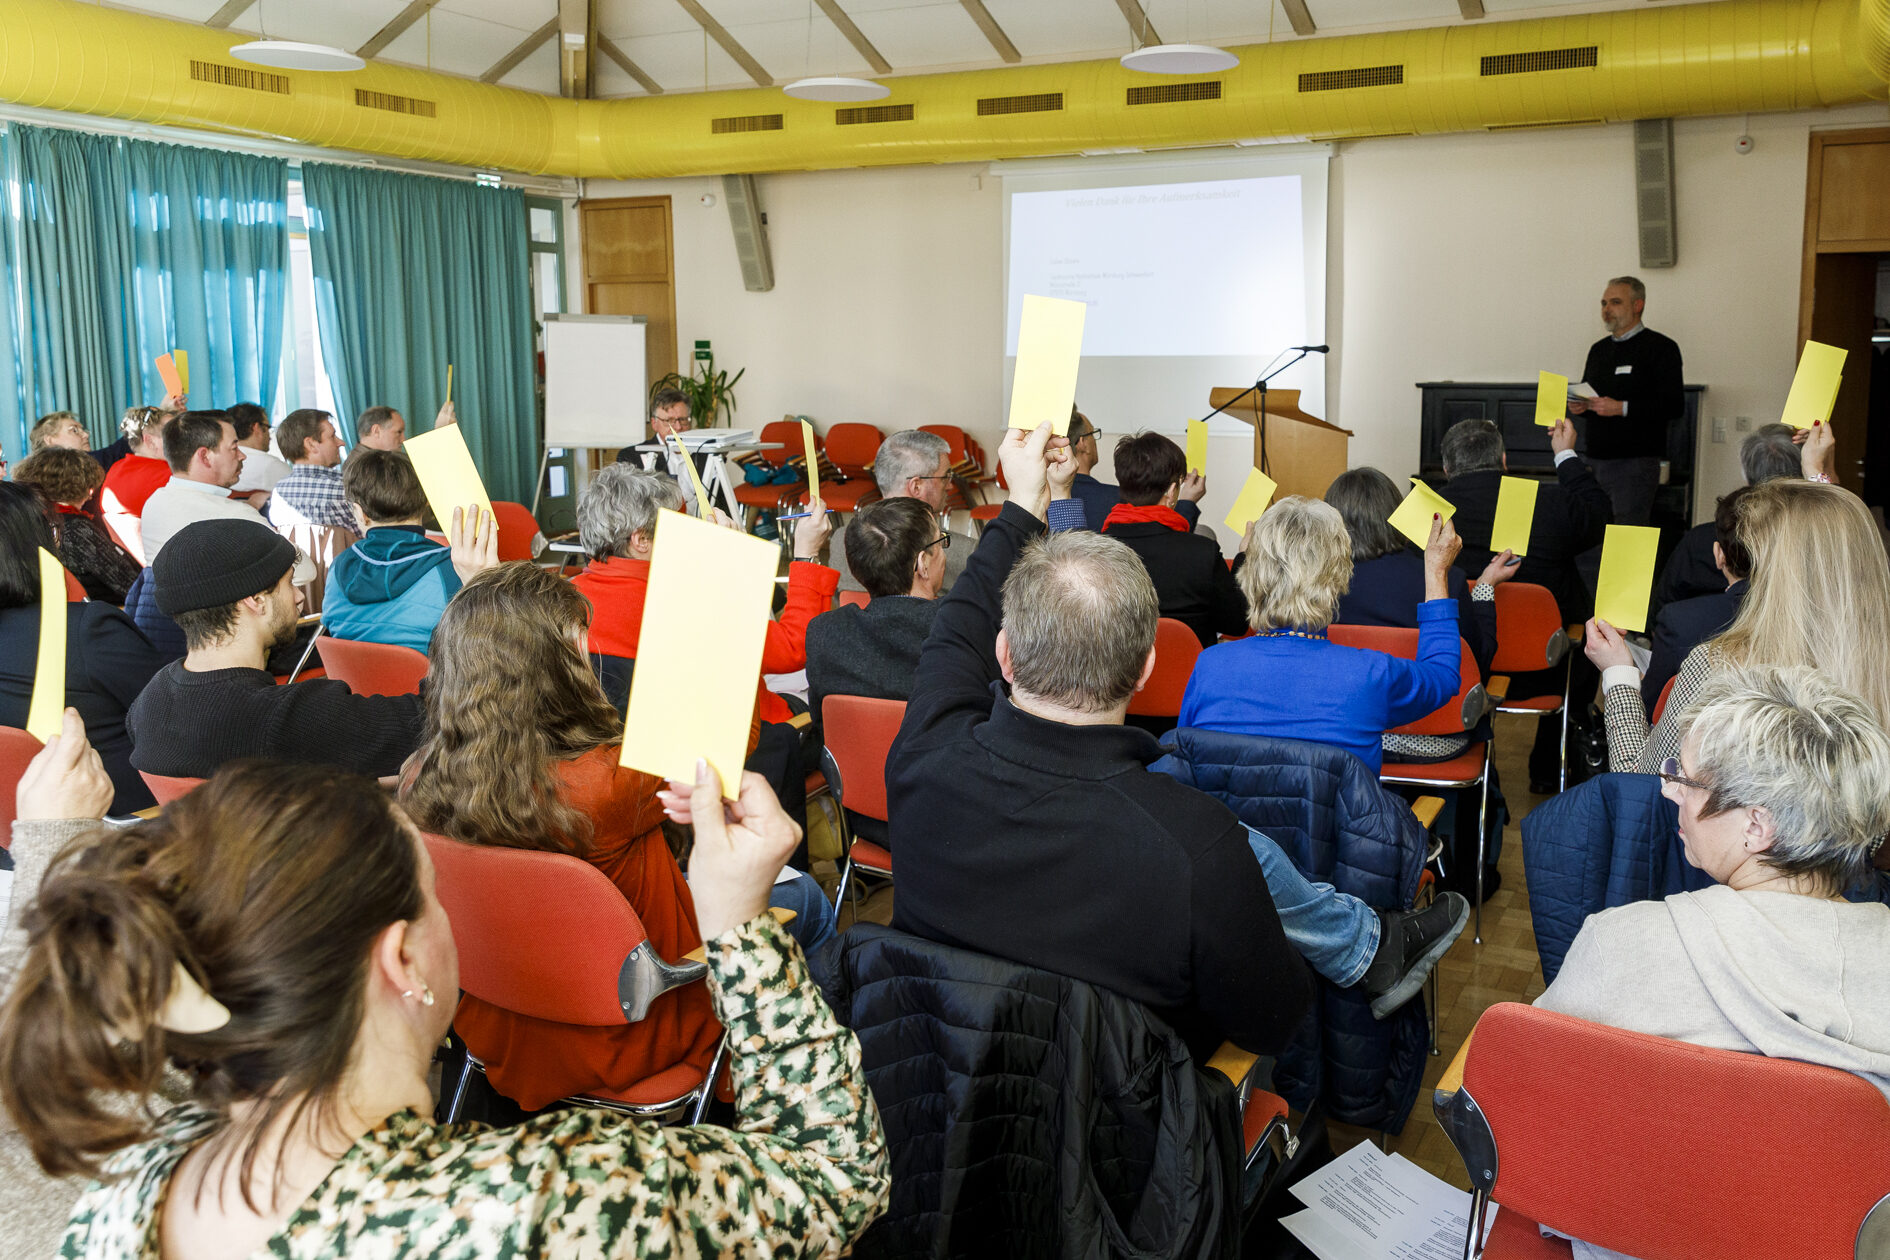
column 1469, row 768
column 859, row 733
column 966, row 468
column 859, row 599
column 165, row 788
column 1176, row 649
column 1661, row 1149
column 75, row 589
column 1660, row 705
column 771, row 497
column 16, row 749
column 519, row 535
column 1529, row 637
column 983, row 512
column 851, row 448
column 589, row 963
column 373, row 669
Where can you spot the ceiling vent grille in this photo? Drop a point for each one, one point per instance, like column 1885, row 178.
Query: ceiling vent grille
column 239, row 77
column 872, row 114
column 396, row 104
column 1543, row 59
column 744, row 122
column 1170, row 93
column 1545, row 126
column 1357, row 77
column 1036, row 103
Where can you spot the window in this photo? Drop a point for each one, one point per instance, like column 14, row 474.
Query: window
column 304, row 380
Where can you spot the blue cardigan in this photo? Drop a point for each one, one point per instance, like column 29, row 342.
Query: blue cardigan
column 1317, row 690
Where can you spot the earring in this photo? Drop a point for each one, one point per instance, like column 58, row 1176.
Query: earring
column 426, row 995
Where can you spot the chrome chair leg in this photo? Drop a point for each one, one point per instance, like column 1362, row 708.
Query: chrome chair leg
column 708, row 1081
column 1483, row 831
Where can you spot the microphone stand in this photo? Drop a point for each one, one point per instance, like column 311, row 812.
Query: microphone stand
column 1260, row 386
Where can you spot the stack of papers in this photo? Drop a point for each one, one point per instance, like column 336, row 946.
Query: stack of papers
column 1582, row 389
column 1366, row 1205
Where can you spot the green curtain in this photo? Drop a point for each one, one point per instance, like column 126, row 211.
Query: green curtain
column 117, row 251
column 413, row 274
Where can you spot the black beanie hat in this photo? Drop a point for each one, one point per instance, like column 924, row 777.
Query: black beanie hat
column 208, row 564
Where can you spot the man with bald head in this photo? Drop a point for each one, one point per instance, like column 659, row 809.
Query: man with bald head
column 1636, row 375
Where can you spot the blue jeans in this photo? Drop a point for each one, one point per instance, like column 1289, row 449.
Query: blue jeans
column 1334, row 931
column 813, row 914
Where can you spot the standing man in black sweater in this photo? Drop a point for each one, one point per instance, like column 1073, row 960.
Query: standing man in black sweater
column 1636, row 374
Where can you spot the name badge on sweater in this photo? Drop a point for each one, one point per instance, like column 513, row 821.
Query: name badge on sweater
column 1624, row 369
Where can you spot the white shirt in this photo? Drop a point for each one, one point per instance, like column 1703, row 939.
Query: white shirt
column 261, row 470
column 181, row 501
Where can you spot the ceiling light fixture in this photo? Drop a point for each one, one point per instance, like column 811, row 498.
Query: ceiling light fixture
column 1179, row 59
column 285, row 54
column 837, row 88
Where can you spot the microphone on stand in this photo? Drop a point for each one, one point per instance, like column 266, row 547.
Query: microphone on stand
column 1260, row 387
column 1315, row 349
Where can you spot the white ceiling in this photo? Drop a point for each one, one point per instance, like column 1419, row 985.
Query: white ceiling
column 470, row 37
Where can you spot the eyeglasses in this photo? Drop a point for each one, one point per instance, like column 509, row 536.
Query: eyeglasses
column 932, row 476
column 1086, row 433
column 1670, row 772
column 943, row 540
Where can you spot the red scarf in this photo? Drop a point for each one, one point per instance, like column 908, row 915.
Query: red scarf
column 1157, row 513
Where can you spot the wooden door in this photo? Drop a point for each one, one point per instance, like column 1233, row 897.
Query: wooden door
column 629, row 269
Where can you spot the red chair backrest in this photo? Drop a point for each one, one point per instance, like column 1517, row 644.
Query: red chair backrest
column 1654, row 1147
column 1457, row 714
column 1660, row 705
column 859, row 598
column 165, row 788
column 1176, row 649
column 519, row 534
column 859, row 733
column 852, row 447
column 1529, row 633
column 16, row 749
column 542, row 934
column 373, row 669
column 788, row 433
column 75, row 589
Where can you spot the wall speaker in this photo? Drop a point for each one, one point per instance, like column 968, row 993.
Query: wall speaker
column 751, row 233
column 1653, row 192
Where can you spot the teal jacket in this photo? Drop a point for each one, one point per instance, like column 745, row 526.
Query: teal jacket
column 390, row 587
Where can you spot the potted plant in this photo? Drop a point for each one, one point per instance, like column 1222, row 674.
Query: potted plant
column 710, row 393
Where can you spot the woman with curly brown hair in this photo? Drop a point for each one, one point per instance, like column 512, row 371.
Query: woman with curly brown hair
column 70, row 479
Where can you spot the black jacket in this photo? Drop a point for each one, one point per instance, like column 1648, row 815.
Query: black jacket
column 1572, row 514
column 1645, row 373
column 1680, row 628
column 1192, row 582
column 107, row 664
column 1031, row 1115
column 1690, row 571
column 871, row 651
column 1052, row 845
column 1386, row 591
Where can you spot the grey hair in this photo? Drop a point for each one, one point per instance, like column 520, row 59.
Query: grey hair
column 1299, row 563
column 1769, row 452
column 907, row 453
column 1634, row 285
column 1365, row 498
column 1472, row 446
column 1790, row 741
column 620, row 501
column 1079, row 616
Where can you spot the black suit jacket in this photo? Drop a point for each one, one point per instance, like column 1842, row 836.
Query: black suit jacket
column 1386, row 591
column 1192, row 582
column 1572, row 513
column 1690, row 571
column 1683, row 626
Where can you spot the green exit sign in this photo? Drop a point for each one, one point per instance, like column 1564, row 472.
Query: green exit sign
column 702, row 352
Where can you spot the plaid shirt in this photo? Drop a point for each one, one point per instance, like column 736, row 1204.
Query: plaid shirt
column 311, row 495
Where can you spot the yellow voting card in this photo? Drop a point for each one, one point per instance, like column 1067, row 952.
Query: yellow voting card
column 704, row 508
column 449, row 382
column 1551, row 398
column 813, row 461
column 1252, row 501
column 1197, row 446
column 1515, row 514
column 173, row 381
column 447, row 473
column 1815, row 385
column 49, row 677
column 1627, row 575
column 1049, row 348
column 183, row 369
column 1413, row 517
column 699, row 654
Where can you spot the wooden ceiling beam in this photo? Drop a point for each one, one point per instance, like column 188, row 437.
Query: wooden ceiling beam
column 394, row 29
column 231, row 10
column 729, row 43
column 992, row 31
column 532, row 43
column 861, row 44
column 628, row 66
column 1471, row 9
column 1140, row 29
column 1296, row 14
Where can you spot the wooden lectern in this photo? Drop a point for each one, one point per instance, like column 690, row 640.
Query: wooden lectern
column 1302, row 453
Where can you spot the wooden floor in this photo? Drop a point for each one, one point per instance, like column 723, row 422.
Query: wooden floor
column 1472, row 977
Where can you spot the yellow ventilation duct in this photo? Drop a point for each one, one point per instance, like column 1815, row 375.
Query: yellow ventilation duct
column 1732, row 56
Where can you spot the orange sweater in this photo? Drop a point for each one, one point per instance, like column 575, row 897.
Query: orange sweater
column 535, row 1062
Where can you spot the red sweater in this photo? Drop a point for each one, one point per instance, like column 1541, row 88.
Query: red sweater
column 616, row 588
column 534, row 1062
column 131, row 481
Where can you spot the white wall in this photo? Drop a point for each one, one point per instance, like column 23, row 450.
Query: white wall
column 1466, row 257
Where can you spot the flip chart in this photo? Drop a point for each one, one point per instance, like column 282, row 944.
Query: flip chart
column 1049, row 348
column 49, row 677
column 447, row 473
column 813, row 461
column 1627, row 575
column 1197, row 446
column 704, row 508
column 183, row 369
column 1551, row 398
column 1815, row 385
column 1515, row 514
column 1251, row 501
column 699, row 653
column 1413, row 517
column 167, row 369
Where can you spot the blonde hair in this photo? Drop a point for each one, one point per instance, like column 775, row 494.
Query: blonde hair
column 1820, row 593
column 1298, row 565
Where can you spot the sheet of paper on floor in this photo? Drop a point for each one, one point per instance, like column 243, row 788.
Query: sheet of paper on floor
column 1366, row 1205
